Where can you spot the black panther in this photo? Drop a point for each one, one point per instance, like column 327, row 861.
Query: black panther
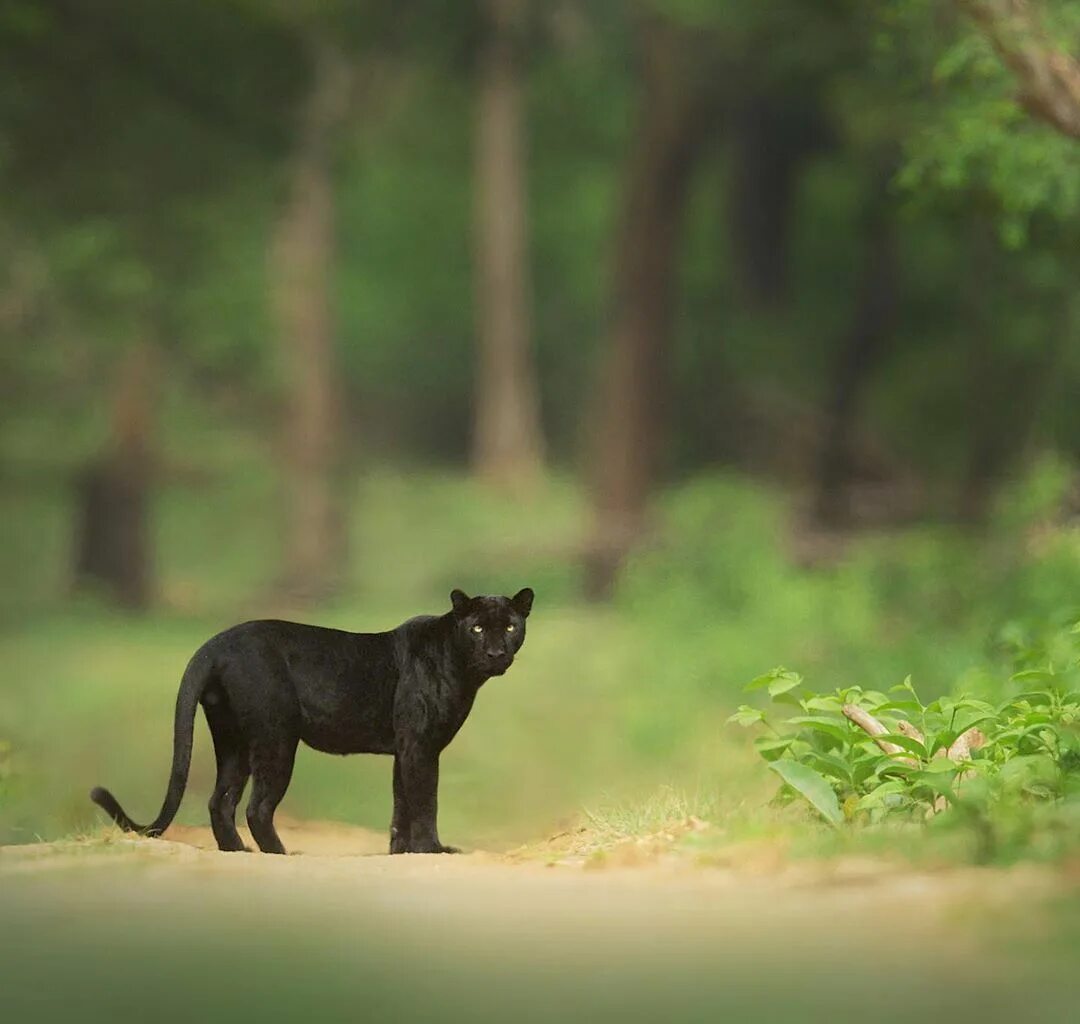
column 267, row 685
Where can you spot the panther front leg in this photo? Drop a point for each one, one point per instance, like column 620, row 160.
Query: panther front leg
column 399, row 824
column 418, row 773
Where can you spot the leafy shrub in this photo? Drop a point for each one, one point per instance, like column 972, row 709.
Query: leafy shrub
column 1026, row 748
column 717, row 587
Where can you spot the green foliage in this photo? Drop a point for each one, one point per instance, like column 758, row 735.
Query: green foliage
column 7, row 770
column 1026, row 750
column 142, row 184
column 811, row 785
column 970, row 136
column 607, row 702
column 721, row 587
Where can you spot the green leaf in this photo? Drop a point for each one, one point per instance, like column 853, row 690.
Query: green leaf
column 781, row 684
column 788, row 698
column 760, row 682
column 867, row 765
column 961, row 723
column 907, row 685
column 1036, row 698
column 905, row 742
column 937, row 782
column 823, row 704
column 837, row 729
column 771, row 748
column 1028, row 771
column 894, row 767
column 1037, row 733
column 746, row 716
column 979, row 705
column 1032, row 675
column 940, row 765
column 876, row 796
column 811, row 786
column 908, row 708
column 831, row 765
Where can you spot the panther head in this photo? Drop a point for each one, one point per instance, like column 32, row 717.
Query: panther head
column 490, row 630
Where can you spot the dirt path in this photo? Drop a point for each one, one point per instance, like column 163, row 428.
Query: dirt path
column 341, row 926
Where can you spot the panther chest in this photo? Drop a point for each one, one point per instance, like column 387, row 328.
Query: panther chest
column 447, row 728
column 434, row 716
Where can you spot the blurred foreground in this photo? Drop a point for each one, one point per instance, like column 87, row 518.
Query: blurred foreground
column 480, row 938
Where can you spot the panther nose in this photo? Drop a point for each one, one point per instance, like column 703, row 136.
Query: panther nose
column 493, row 655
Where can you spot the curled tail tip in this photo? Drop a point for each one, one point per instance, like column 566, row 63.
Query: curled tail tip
column 109, row 804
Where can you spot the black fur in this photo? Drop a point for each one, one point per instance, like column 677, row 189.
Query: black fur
column 267, row 685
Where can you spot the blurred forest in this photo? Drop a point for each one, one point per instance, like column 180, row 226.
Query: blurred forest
column 747, row 330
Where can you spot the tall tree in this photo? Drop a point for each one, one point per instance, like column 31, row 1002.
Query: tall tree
column 1019, row 327
column 508, row 446
column 672, row 122
column 1049, row 76
column 302, row 282
column 117, row 145
column 772, row 134
column 873, row 321
column 113, row 548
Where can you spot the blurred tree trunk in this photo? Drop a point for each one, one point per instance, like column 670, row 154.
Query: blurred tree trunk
column 771, row 138
column 303, row 281
column 113, row 547
column 672, row 122
column 508, row 446
column 872, row 324
column 1006, row 388
column 1005, row 405
column 976, row 488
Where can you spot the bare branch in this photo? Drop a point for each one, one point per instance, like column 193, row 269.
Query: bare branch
column 960, row 750
column 870, row 725
column 1049, row 78
column 905, row 728
column 965, row 743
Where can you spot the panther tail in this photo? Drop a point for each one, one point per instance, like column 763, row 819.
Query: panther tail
column 196, row 677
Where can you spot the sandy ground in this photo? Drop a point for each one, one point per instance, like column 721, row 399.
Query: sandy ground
column 324, row 932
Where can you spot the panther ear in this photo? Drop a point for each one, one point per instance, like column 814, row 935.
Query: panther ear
column 522, row 601
column 460, row 600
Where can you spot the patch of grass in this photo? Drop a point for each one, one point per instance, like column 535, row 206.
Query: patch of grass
column 606, row 702
column 667, row 807
column 93, row 841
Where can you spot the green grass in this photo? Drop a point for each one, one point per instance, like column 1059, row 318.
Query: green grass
column 606, row 703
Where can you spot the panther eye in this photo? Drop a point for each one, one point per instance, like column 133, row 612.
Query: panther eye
column 478, row 629
column 511, row 628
